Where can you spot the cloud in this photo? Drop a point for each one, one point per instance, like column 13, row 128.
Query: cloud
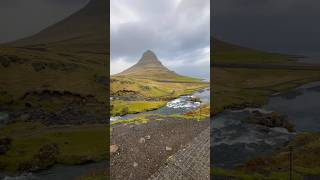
column 171, row 28
column 21, row 18
column 120, row 64
column 287, row 26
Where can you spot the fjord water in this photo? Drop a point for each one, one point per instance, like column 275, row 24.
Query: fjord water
column 233, row 141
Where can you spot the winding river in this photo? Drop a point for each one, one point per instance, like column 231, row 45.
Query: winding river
column 234, row 141
column 180, row 105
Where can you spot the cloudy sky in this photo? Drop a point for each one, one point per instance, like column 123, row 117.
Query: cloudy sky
column 290, row 26
column 22, row 18
column 178, row 31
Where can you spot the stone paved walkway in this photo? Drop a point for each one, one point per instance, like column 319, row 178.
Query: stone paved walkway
column 189, row 163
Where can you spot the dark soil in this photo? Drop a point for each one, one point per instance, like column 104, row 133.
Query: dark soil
column 143, row 148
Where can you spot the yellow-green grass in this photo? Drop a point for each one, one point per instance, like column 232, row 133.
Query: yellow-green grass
column 76, row 144
column 160, row 91
column 147, row 88
column 201, row 113
column 138, row 120
column 120, row 108
column 196, row 114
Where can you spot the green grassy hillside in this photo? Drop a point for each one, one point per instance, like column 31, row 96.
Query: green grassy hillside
column 54, row 86
column 246, row 77
column 151, row 82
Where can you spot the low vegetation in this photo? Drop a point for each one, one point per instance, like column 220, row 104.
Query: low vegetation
column 237, row 87
column 120, row 108
column 241, row 86
column 306, row 162
column 35, row 146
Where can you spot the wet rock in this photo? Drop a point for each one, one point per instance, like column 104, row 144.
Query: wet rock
column 46, row 156
column 114, row 148
column 270, row 120
column 168, row 148
column 148, row 137
column 142, row 140
column 4, row 145
column 5, row 61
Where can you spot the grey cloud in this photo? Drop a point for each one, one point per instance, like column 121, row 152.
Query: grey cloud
column 168, row 30
column 288, row 26
column 21, row 18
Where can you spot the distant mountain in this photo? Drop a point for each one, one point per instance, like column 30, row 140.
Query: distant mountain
column 149, row 66
column 83, row 30
column 225, row 52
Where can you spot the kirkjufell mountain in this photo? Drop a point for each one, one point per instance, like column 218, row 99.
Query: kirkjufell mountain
column 149, row 66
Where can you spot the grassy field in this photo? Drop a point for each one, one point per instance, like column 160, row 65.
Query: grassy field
column 35, row 145
column 59, row 72
column 119, row 108
column 198, row 114
column 147, row 94
column 237, row 87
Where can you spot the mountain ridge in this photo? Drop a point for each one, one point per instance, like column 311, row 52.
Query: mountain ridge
column 87, row 25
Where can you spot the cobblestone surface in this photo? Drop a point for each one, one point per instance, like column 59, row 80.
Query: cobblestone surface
column 189, row 163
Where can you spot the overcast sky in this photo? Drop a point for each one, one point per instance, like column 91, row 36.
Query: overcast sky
column 178, row 31
column 277, row 25
column 22, row 18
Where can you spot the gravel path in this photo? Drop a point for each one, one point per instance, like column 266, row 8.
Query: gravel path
column 191, row 162
column 139, row 150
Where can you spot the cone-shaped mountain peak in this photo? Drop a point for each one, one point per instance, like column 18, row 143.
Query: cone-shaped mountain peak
column 149, row 58
column 149, row 66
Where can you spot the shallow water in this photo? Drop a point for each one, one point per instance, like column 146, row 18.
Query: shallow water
column 301, row 105
column 3, row 117
column 180, row 105
column 234, row 141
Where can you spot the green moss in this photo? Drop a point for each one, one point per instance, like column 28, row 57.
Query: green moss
column 138, row 120
column 120, row 108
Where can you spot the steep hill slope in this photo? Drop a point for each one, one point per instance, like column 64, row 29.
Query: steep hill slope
column 63, row 64
column 84, row 30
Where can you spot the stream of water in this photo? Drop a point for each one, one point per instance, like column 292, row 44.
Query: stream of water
column 234, row 141
column 177, row 106
column 180, row 105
